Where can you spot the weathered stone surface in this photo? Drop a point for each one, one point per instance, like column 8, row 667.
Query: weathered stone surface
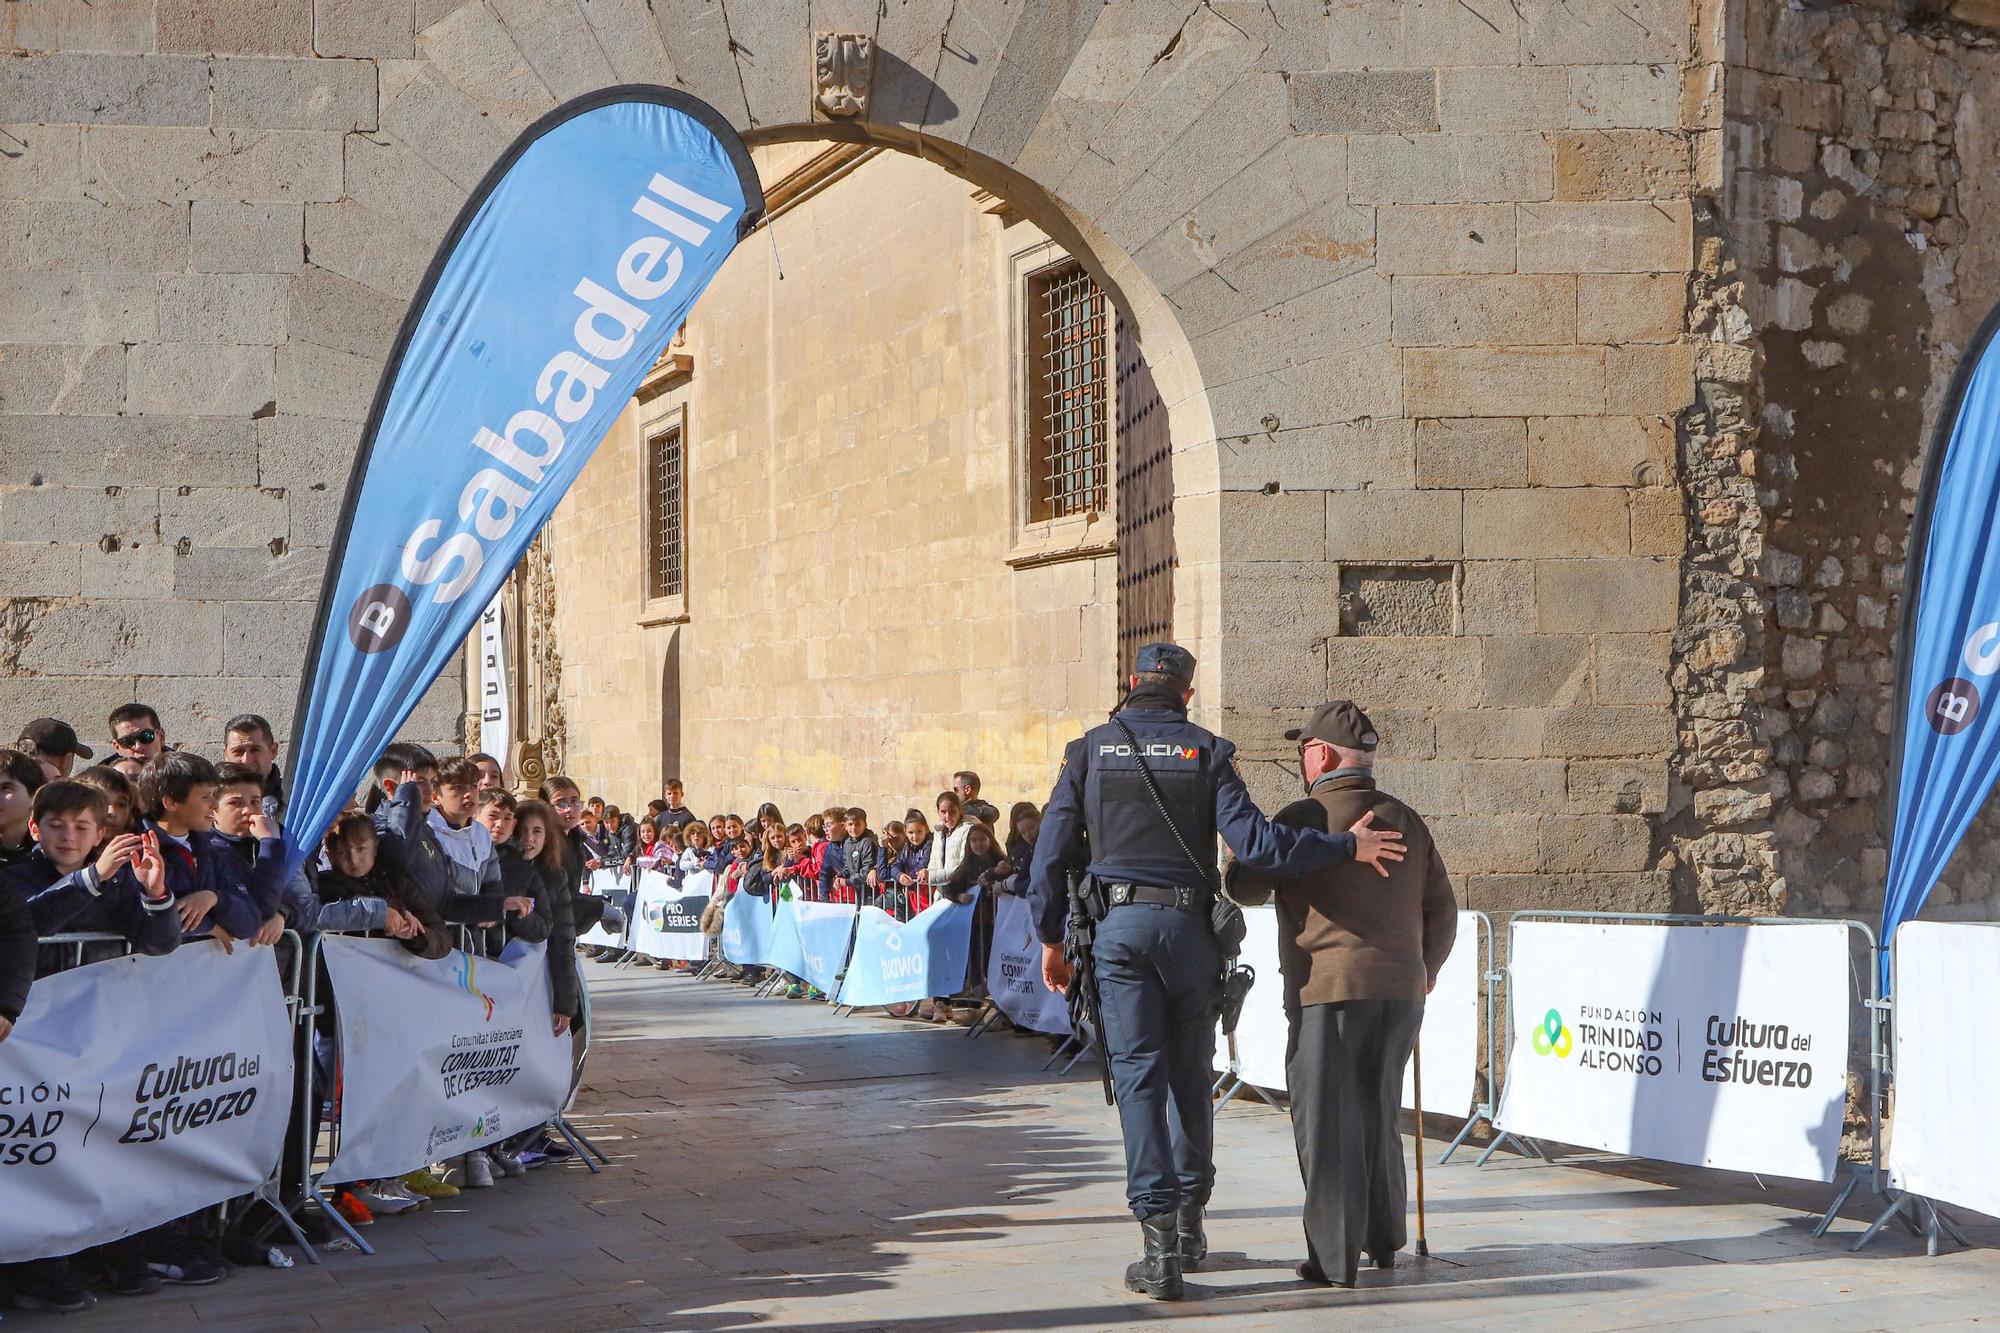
column 1595, row 843
column 236, row 27
column 1503, row 381
column 86, row 514
column 1596, row 596
column 1624, row 96
column 64, row 25
column 1582, row 32
column 401, row 188
column 348, row 239
column 76, row 308
column 75, row 381
column 1334, row 458
column 200, row 380
column 1397, row 601
column 1498, row 597
column 1648, row 380
column 70, row 88
column 295, row 452
column 1457, row 238
column 265, row 638
column 471, row 48
column 1415, row 673
column 1618, row 786
column 1537, row 671
column 1502, row 97
column 233, row 237
column 1598, row 451
column 136, row 163
column 1622, row 164
column 1490, row 733
column 1514, row 786
column 1360, row 101
column 324, row 382
column 1652, row 237
column 125, row 637
column 1630, row 307
column 1608, row 733
column 1566, row 521
column 384, row 29
column 127, row 450
column 222, row 516
column 85, row 236
column 1486, row 844
column 330, row 311
column 143, row 571
column 440, row 124
column 211, row 574
column 295, row 94
column 1459, row 312
column 1392, row 525
column 40, row 570
column 247, row 309
column 1472, row 452
column 1449, row 168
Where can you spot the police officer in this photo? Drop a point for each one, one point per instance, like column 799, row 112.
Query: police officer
column 1158, row 967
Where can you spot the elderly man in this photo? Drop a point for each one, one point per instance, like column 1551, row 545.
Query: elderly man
column 1358, row 955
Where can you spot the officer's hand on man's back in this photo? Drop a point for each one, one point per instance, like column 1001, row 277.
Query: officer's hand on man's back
column 1376, row 846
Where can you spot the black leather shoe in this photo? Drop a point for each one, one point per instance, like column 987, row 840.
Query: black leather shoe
column 1384, row 1260
column 1158, row 1274
column 1191, row 1239
column 1309, row 1271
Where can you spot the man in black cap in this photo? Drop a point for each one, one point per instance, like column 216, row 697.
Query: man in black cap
column 1358, row 957
column 54, row 743
column 1138, row 805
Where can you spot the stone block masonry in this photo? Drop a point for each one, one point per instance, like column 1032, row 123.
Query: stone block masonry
column 1545, row 373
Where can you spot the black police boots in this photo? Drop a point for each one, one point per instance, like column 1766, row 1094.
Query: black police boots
column 1192, row 1241
column 1158, row 1274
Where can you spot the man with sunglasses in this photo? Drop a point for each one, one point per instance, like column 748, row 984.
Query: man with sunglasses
column 1137, row 807
column 136, row 732
column 1358, row 953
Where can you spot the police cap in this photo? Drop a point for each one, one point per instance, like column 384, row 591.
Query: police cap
column 1339, row 723
column 1166, row 659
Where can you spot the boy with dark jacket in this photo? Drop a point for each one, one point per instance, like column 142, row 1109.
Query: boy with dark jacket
column 70, row 886
column 859, row 853
column 21, row 776
column 209, row 888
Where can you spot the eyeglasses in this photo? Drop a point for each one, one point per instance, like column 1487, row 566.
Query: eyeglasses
column 131, row 738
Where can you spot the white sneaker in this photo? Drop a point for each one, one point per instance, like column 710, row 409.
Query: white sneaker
column 387, row 1200
column 478, row 1171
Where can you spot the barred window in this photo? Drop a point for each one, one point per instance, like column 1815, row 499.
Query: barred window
column 1069, row 393
column 666, row 515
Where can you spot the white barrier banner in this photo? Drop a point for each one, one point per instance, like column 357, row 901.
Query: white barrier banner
column 1448, row 1043
column 607, row 884
column 138, row 1090
column 438, row 1057
column 1947, row 1076
column 1014, row 971
column 1450, row 1035
column 666, row 921
column 1721, row 1046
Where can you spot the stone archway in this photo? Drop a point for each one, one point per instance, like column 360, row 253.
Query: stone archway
column 1411, row 276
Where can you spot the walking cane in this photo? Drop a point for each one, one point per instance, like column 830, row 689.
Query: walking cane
column 1417, row 1096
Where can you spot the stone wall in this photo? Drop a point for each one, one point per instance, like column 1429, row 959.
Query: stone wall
column 1547, row 374
column 852, row 630
column 1854, row 246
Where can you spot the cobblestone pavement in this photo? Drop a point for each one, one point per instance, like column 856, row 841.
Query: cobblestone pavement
column 780, row 1167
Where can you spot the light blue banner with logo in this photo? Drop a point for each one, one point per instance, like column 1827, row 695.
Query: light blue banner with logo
column 824, row 932
column 748, row 930
column 560, row 283
column 1948, row 746
column 896, row 962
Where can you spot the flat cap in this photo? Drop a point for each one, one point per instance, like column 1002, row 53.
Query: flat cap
column 1339, row 723
column 1166, row 659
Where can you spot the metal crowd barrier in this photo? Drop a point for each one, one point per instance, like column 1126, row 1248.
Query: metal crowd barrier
column 1872, row 1002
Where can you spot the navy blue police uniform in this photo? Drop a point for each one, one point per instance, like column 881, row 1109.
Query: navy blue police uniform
column 1158, row 967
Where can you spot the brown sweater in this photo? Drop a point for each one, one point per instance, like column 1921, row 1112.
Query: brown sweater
column 1347, row 933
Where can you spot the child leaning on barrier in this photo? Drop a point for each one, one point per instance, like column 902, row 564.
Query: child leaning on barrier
column 356, row 872
column 528, row 915
column 76, row 880
column 121, row 798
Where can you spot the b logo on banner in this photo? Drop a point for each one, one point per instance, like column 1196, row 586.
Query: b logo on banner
column 1552, row 1038
column 1953, row 706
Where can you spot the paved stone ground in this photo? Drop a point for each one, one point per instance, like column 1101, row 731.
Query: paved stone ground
column 778, row 1167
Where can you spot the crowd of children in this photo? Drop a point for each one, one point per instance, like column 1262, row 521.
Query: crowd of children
column 158, row 844
column 832, row 855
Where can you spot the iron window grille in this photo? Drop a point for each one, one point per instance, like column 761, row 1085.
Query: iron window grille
column 666, row 515
column 1069, row 401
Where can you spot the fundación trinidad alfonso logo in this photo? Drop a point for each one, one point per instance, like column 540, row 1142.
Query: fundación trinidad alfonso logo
column 1552, row 1038
column 467, row 983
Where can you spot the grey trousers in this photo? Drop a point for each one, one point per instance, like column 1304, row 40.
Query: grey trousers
column 1345, row 1070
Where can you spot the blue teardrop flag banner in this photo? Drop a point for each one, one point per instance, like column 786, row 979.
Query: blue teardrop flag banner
column 1947, row 748
column 561, row 281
